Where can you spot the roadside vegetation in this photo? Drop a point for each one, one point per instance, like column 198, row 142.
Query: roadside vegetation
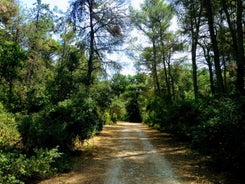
column 199, row 98
column 54, row 89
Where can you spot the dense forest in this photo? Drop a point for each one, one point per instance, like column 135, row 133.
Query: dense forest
column 55, row 88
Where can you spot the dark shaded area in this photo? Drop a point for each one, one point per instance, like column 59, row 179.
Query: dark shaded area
column 133, row 111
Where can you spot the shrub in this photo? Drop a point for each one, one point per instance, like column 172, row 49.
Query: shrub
column 221, row 132
column 181, row 117
column 215, row 127
column 117, row 110
column 16, row 167
column 63, row 123
column 178, row 117
column 106, row 117
column 155, row 112
column 9, row 135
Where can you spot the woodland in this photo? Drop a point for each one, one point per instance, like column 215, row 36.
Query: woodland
column 56, row 91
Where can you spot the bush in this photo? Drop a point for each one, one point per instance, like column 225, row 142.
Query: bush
column 107, row 118
column 9, row 135
column 221, row 132
column 178, row 117
column 155, row 112
column 117, row 110
column 16, row 167
column 181, row 117
column 76, row 118
column 214, row 127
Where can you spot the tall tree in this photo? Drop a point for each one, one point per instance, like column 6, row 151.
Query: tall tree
column 234, row 13
column 153, row 19
column 163, row 14
column 41, row 48
column 12, row 56
column 206, row 51
column 240, row 46
column 11, row 61
column 210, row 18
column 190, row 14
column 100, row 25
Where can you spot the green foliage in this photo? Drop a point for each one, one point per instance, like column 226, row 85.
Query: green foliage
column 7, row 11
column 221, row 132
column 12, row 59
column 181, row 117
column 177, row 117
column 102, row 94
column 65, row 81
column 128, row 91
column 117, row 110
column 9, row 135
column 40, row 162
column 119, row 83
column 87, row 115
column 54, row 109
column 213, row 126
column 106, row 117
column 155, row 112
column 60, row 125
column 37, row 98
column 16, row 167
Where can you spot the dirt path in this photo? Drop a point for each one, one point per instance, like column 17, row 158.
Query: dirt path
column 130, row 153
column 136, row 160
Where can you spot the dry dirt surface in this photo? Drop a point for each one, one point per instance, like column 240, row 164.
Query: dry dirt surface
column 132, row 153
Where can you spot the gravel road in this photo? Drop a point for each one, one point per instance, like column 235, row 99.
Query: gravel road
column 132, row 153
column 136, row 160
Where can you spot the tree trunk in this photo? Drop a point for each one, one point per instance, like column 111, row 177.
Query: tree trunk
column 218, row 72
column 166, row 77
column 171, row 81
column 211, row 78
column 240, row 49
column 194, row 66
column 155, row 75
column 237, row 43
column 206, row 51
column 91, row 49
column 165, row 68
column 195, row 26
